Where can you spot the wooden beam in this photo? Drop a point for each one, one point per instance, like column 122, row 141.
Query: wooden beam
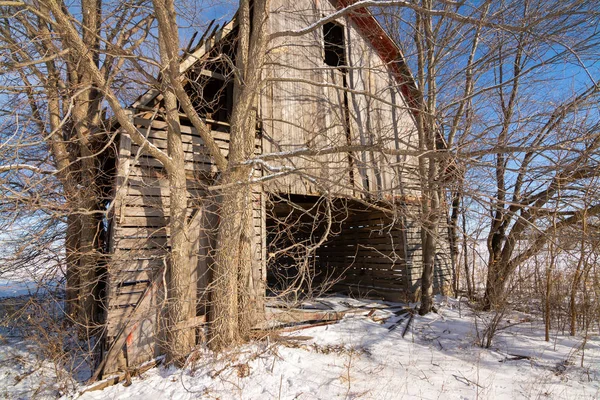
column 212, row 74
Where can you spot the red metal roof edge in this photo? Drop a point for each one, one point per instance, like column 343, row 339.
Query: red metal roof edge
column 387, row 49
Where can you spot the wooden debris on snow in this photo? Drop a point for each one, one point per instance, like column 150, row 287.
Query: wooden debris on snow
column 125, row 376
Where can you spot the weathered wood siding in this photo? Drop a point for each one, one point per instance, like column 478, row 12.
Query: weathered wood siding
column 303, row 107
column 139, row 239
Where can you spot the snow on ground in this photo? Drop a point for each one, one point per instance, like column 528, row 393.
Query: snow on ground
column 33, row 363
column 360, row 358
column 25, row 374
column 11, row 288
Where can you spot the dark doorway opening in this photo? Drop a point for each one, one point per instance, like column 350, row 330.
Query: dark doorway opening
column 316, row 245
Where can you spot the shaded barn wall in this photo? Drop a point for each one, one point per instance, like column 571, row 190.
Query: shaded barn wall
column 139, row 238
column 369, row 257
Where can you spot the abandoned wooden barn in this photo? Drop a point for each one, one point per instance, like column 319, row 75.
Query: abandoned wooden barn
column 341, row 85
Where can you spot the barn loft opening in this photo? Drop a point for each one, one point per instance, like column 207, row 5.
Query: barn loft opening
column 316, row 245
column 210, row 82
column 334, row 45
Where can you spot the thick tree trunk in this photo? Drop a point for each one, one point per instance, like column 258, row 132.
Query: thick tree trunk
column 89, row 257
column 224, row 297
column 232, row 311
column 499, row 271
column 86, row 119
column 86, row 198
column 249, row 299
column 494, row 286
column 180, row 288
column 235, row 302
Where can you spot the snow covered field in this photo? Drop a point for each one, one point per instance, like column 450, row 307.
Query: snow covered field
column 359, row 358
column 12, row 288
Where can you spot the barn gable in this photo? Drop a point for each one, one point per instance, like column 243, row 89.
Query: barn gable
column 309, row 103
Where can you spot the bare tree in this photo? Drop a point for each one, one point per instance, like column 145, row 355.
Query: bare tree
column 476, row 107
column 480, row 85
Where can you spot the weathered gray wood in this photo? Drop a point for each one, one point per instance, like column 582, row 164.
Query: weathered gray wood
column 123, row 323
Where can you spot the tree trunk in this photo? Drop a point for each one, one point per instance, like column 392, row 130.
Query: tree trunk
column 470, row 288
column 548, row 290
column 494, row 287
column 86, row 119
column 497, row 269
column 250, row 297
column 573, row 294
column 453, row 235
column 428, row 240
column 235, row 302
column 428, row 169
column 86, row 199
column 180, row 293
column 89, row 257
column 224, row 297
